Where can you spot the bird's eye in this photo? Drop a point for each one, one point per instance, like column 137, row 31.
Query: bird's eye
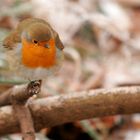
column 35, row 41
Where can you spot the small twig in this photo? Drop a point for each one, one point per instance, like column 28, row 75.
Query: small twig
column 20, row 93
column 21, row 109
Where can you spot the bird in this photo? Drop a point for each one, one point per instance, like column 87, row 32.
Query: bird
column 33, row 50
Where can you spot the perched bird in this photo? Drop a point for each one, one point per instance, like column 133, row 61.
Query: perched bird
column 33, row 50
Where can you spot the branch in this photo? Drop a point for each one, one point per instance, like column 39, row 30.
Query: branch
column 25, row 120
column 20, row 93
column 19, row 99
column 60, row 109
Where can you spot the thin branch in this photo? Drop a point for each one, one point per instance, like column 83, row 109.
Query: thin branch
column 25, row 120
column 60, row 109
column 19, row 99
column 20, row 93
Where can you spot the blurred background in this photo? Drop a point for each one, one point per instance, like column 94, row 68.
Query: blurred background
column 102, row 50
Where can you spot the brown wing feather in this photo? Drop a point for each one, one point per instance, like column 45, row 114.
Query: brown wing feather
column 11, row 39
column 58, row 42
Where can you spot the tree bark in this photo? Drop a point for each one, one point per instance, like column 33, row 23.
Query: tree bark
column 51, row 111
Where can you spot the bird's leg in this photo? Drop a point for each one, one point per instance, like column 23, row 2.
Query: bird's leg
column 33, row 85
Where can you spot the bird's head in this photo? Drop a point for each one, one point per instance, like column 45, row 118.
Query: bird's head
column 38, row 46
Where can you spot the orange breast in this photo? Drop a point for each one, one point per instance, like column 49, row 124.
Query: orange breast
column 38, row 56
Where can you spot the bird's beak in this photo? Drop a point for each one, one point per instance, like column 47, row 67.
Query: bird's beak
column 47, row 46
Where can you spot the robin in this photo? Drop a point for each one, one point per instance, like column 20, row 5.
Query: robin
column 33, row 50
